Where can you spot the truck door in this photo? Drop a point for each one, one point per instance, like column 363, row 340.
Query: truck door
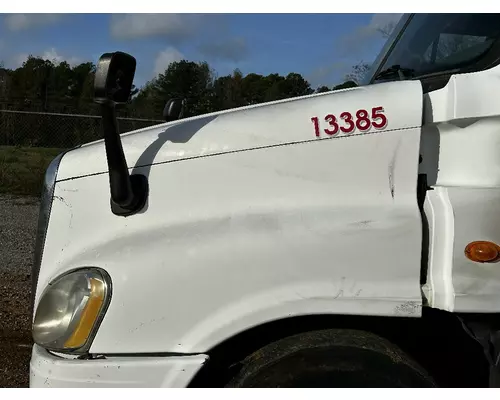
column 456, row 58
column 461, row 157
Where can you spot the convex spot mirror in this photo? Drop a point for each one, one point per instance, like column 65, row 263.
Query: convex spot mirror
column 173, row 110
column 114, row 77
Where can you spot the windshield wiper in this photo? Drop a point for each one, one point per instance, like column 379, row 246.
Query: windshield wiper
column 395, row 70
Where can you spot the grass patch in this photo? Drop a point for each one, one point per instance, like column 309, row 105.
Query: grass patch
column 22, row 169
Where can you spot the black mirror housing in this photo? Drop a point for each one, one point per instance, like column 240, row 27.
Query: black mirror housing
column 173, row 110
column 114, row 77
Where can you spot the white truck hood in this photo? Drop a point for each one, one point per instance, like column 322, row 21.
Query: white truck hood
column 269, row 124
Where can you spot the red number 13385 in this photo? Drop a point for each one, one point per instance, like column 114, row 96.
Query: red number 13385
column 348, row 123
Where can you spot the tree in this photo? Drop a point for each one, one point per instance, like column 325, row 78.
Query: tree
column 145, row 104
column 273, row 87
column 228, row 92
column 58, row 87
column 258, row 88
column 43, row 85
column 30, row 83
column 59, row 83
column 295, row 85
column 188, row 80
column 253, row 88
column 345, row 85
column 322, row 89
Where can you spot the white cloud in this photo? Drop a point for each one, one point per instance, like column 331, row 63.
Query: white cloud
column 165, row 57
column 52, row 55
column 174, row 27
column 19, row 22
column 17, row 60
column 359, row 46
column 324, row 75
column 56, row 58
column 379, row 27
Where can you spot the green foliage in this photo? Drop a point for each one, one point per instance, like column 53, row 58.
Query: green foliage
column 322, row 89
column 186, row 79
column 204, row 93
column 46, row 87
column 345, row 85
column 22, row 169
column 228, row 92
column 35, row 97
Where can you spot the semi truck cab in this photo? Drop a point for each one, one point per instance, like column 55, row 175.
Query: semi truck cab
column 347, row 238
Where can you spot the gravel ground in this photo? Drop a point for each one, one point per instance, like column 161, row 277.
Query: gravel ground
column 18, row 218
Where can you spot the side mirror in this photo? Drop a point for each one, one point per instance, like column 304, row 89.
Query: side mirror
column 112, row 86
column 173, row 110
column 114, row 77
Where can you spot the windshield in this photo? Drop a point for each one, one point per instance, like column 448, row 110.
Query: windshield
column 431, row 43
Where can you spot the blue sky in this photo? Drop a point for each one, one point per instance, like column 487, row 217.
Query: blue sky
column 321, row 47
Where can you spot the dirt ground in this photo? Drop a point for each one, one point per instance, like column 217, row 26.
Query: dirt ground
column 15, row 338
column 18, row 218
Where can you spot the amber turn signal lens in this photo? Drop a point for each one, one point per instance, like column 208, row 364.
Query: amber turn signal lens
column 483, row 252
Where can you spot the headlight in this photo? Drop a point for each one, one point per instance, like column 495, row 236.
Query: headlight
column 71, row 309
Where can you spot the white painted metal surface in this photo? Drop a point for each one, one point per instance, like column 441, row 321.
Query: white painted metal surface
column 49, row 371
column 281, row 224
column 270, row 124
column 461, row 155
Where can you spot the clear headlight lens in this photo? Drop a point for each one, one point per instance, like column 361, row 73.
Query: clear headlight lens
column 70, row 310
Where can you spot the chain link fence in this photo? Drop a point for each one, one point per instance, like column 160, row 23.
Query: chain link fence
column 59, row 130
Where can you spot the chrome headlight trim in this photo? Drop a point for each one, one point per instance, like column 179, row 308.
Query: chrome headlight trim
column 49, row 184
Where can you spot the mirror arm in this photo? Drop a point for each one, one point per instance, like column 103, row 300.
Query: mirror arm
column 119, row 178
column 128, row 192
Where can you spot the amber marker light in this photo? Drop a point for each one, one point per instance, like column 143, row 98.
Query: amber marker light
column 482, row 252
